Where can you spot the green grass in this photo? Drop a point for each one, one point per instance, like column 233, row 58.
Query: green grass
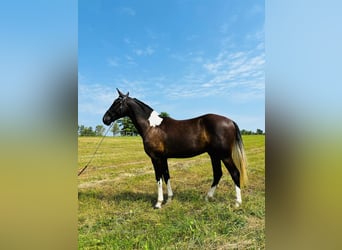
column 118, row 190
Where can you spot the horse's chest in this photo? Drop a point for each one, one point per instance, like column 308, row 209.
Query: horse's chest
column 154, row 145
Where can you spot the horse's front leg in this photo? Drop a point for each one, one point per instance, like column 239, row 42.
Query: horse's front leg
column 157, row 164
column 166, row 176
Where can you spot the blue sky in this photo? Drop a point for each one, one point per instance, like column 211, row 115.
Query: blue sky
column 186, row 58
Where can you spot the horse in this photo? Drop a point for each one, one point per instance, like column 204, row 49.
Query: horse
column 165, row 138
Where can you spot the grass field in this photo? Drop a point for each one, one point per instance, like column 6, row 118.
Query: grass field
column 118, row 190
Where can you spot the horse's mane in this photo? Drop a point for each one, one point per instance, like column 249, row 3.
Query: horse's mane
column 144, row 106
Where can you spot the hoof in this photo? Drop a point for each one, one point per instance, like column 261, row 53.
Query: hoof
column 237, row 204
column 158, row 205
column 169, row 199
column 209, row 198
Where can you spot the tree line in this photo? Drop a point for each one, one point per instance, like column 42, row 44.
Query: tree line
column 249, row 132
column 100, row 130
column 125, row 127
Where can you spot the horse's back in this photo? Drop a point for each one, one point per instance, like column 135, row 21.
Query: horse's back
column 212, row 118
column 209, row 123
column 220, row 132
column 217, row 123
column 198, row 135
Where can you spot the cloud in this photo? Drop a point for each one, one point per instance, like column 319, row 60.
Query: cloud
column 234, row 64
column 136, row 48
column 256, row 9
column 113, row 62
column 128, row 11
column 148, row 51
column 130, row 60
column 151, row 34
column 234, row 73
column 127, row 40
column 190, row 57
column 239, row 74
column 226, row 27
column 191, row 37
column 94, row 98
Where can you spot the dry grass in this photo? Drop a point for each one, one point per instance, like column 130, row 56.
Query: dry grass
column 118, row 190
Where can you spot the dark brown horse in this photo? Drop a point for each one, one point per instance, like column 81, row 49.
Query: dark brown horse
column 168, row 138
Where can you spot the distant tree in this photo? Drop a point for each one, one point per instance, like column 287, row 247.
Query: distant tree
column 246, row 132
column 80, row 129
column 127, row 126
column 99, row 130
column 164, row 114
column 259, row 132
column 90, row 132
column 115, row 128
column 85, row 131
column 249, row 132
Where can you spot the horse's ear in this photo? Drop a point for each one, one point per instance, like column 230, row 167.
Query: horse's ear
column 120, row 93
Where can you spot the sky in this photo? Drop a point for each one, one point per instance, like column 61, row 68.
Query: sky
column 183, row 57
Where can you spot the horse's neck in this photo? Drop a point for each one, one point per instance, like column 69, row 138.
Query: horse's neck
column 139, row 116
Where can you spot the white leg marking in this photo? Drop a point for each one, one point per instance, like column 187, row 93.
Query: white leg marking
column 169, row 191
column 238, row 196
column 160, row 194
column 211, row 192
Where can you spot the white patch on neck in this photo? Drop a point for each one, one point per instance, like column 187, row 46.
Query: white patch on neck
column 154, row 119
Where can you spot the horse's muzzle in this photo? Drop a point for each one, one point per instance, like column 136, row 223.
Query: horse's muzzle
column 107, row 120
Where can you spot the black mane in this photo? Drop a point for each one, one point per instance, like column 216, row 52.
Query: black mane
column 146, row 109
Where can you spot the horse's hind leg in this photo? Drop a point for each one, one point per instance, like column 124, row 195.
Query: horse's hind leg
column 217, row 172
column 235, row 174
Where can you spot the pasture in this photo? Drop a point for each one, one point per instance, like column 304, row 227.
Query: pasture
column 116, row 194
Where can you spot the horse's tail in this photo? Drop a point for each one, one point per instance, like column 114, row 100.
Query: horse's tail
column 239, row 157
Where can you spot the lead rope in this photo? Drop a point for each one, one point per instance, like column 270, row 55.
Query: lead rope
column 98, row 145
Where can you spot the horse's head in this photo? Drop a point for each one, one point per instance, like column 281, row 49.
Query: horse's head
column 118, row 109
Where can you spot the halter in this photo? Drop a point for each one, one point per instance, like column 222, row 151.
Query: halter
column 122, row 99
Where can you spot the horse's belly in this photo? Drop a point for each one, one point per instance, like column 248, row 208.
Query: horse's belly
column 183, row 154
column 184, row 151
column 175, row 146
